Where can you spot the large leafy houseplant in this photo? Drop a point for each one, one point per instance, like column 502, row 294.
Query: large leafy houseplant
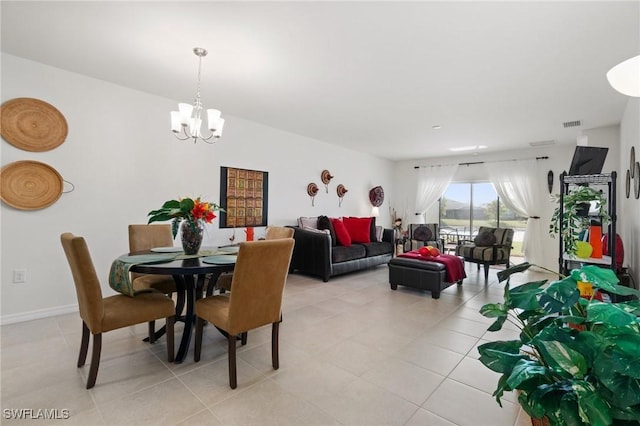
column 577, row 359
column 574, row 220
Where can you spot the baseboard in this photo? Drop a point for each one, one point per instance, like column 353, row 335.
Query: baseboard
column 40, row 313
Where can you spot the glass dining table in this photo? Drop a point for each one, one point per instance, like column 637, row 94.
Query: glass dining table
column 189, row 275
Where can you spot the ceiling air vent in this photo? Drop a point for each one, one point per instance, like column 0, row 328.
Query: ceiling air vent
column 575, row 123
column 542, row 143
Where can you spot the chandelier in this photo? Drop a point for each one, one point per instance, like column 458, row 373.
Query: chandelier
column 186, row 123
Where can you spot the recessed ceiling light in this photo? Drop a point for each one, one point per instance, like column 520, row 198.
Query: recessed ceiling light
column 468, row 148
column 436, row 127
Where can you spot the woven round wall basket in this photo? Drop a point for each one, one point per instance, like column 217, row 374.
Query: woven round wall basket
column 30, row 185
column 32, row 125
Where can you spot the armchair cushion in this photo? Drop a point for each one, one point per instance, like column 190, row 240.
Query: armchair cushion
column 487, row 238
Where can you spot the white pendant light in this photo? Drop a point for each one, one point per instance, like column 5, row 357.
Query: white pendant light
column 186, row 123
column 625, row 77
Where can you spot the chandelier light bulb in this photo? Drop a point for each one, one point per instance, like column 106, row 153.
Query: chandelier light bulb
column 625, row 77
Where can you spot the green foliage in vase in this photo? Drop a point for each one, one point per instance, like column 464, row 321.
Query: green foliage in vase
column 572, row 222
column 577, row 360
column 188, row 209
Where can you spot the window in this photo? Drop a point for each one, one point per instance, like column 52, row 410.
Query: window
column 465, row 207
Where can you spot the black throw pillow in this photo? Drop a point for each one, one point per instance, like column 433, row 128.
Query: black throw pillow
column 485, row 239
column 373, row 236
column 325, row 223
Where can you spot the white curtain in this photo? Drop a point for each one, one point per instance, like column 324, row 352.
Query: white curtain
column 517, row 183
column 433, row 181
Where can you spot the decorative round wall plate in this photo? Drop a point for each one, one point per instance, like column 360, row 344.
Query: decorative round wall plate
column 636, row 181
column 30, row 185
column 376, row 196
column 627, row 188
column 32, row 124
column 632, row 161
column 312, row 189
column 341, row 190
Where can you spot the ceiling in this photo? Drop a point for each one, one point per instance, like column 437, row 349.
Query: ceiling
column 370, row 76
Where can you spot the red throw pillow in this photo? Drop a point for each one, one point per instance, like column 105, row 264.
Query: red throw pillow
column 341, row 233
column 434, row 251
column 359, row 228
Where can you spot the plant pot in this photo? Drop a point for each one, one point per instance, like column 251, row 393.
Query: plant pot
column 191, row 234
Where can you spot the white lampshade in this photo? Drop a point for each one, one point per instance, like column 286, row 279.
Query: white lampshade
column 218, row 132
column 176, row 122
column 375, row 211
column 625, row 77
column 213, row 118
column 194, row 127
column 185, row 112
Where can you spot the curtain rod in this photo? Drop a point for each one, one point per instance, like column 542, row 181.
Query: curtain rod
column 483, row 162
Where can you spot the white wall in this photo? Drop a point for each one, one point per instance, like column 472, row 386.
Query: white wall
column 629, row 213
column 124, row 162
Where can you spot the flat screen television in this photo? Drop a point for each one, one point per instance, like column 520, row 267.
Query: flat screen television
column 588, row 160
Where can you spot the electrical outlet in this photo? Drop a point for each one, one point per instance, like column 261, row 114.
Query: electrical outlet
column 19, row 275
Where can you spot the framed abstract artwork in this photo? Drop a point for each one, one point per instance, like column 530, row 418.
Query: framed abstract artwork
column 244, row 195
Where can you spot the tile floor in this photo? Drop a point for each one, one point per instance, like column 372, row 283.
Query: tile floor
column 352, row 352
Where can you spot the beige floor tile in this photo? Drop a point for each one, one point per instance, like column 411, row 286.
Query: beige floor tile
column 353, row 356
column 210, row 382
column 163, row 404
column 404, row 379
column 202, row 418
column 452, row 340
column 267, row 403
column 363, row 403
column 429, row 356
column 423, row 417
column 464, row 405
column 472, row 372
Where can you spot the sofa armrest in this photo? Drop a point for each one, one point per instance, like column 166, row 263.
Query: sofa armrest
column 312, row 253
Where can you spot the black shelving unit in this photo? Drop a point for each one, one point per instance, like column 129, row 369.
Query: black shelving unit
column 607, row 180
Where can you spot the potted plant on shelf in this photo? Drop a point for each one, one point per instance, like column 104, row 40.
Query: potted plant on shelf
column 575, row 209
column 576, row 360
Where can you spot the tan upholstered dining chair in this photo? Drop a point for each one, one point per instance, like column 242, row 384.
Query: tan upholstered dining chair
column 146, row 237
column 100, row 315
column 258, row 283
column 272, row 233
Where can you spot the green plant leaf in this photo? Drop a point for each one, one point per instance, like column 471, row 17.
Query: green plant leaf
column 171, row 204
column 501, row 356
column 186, row 205
column 503, row 275
column 494, row 310
column 561, row 357
column 619, row 371
column 631, row 306
column 525, row 370
column 626, row 413
column 559, row 296
column 592, row 408
column 609, row 313
column 525, row 296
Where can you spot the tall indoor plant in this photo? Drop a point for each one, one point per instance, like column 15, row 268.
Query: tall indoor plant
column 576, row 360
column 575, row 219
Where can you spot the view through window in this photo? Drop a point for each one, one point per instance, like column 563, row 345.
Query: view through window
column 465, row 207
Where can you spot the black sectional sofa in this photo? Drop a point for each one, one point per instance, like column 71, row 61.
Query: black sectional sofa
column 315, row 254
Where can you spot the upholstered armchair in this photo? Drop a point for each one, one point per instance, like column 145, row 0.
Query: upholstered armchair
column 492, row 246
column 423, row 234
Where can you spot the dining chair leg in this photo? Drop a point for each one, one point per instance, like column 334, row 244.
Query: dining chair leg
column 170, row 340
column 275, row 358
column 486, row 271
column 152, row 331
column 243, row 338
column 84, row 345
column 95, row 360
column 198, row 343
column 233, row 380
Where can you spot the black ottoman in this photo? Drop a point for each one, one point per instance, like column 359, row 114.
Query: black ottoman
column 416, row 273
